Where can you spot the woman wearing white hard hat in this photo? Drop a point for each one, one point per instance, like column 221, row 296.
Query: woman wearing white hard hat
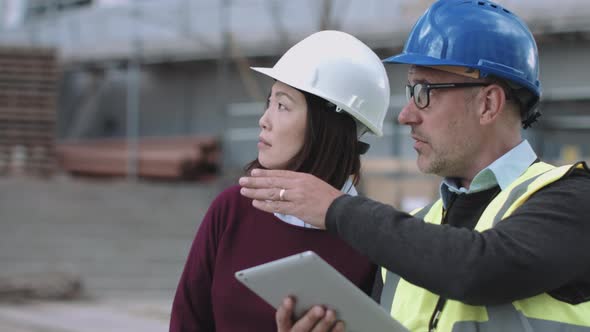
column 329, row 90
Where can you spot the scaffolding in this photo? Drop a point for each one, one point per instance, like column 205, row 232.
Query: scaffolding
column 111, row 37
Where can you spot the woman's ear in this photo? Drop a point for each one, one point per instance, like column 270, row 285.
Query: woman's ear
column 493, row 103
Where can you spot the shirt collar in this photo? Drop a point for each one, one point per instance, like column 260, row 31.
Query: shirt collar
column 502, row 172
column 348, row 189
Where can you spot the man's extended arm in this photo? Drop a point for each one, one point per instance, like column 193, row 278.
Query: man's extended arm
column 541, row 247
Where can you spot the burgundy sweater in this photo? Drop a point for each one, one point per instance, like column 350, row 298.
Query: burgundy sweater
column 234, row 236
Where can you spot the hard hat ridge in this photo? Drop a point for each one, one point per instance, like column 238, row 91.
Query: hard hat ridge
column 341, row 69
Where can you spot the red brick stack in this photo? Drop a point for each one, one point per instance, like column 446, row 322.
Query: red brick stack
column 167, row 158
column 28, row 82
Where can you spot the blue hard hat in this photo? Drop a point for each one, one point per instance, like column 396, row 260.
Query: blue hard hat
column 481, row 35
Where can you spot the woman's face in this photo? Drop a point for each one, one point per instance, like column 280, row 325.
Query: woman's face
column 282, row 127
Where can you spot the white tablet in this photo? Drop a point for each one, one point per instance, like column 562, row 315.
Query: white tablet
column 310, row 280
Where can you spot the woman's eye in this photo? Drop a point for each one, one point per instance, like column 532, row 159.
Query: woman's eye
column 282, row 107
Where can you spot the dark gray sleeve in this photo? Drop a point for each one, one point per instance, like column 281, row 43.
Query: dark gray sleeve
column 541, row 247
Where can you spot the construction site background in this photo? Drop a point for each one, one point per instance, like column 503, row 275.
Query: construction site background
column 120, row 121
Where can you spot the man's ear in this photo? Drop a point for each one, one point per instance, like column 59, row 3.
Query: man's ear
column 494, row 99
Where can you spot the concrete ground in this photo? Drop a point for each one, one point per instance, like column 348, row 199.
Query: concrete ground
column 126, row 241
column 86, row 316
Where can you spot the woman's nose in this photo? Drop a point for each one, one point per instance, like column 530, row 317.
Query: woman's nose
column 263, row 122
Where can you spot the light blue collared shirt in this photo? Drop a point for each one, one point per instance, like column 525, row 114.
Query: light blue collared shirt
column 501, row 172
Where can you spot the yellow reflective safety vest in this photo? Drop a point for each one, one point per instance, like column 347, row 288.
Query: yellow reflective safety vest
column 414, row 306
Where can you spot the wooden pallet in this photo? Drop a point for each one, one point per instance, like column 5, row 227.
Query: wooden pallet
column 171, row 158
column 28, row 82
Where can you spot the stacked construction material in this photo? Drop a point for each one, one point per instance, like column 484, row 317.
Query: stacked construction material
column 28, row 79
column 173, row 158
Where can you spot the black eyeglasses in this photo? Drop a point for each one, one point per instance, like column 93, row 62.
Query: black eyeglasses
column 421, row 91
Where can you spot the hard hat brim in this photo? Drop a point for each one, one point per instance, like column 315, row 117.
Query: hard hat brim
column 270, row 72
column 421, row 60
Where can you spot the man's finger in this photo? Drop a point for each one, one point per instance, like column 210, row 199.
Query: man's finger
column 263, row 205
column 339, row 327
column 278, row 173
column 284, row 315
column 265, row 182
column 309, row 320
column 326, row 323
column 258, row 182
column 273, row 206
column 272, row 194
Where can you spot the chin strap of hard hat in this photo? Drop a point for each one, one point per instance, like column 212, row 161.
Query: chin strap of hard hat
column 362, row 147
column 337, row 108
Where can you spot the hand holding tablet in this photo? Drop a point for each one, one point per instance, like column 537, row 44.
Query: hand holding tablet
column 311, row 281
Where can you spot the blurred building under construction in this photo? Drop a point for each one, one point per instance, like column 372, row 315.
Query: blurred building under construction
column 162, row 89
column 135, row 70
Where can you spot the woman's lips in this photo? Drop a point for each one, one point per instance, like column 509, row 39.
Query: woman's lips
column 262, row 143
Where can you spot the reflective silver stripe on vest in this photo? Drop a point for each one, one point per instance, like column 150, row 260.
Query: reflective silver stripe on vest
column 514, row 194
column 392, row 279
column 424, row 211
column 501, row 318
column 507, row 318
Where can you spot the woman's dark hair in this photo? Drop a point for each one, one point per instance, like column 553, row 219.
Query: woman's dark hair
column 330, row 148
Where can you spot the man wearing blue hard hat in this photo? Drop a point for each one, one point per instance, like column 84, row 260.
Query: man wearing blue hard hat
column 505, row 247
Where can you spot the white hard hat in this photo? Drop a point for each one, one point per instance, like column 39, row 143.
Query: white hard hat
column 341, row 69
